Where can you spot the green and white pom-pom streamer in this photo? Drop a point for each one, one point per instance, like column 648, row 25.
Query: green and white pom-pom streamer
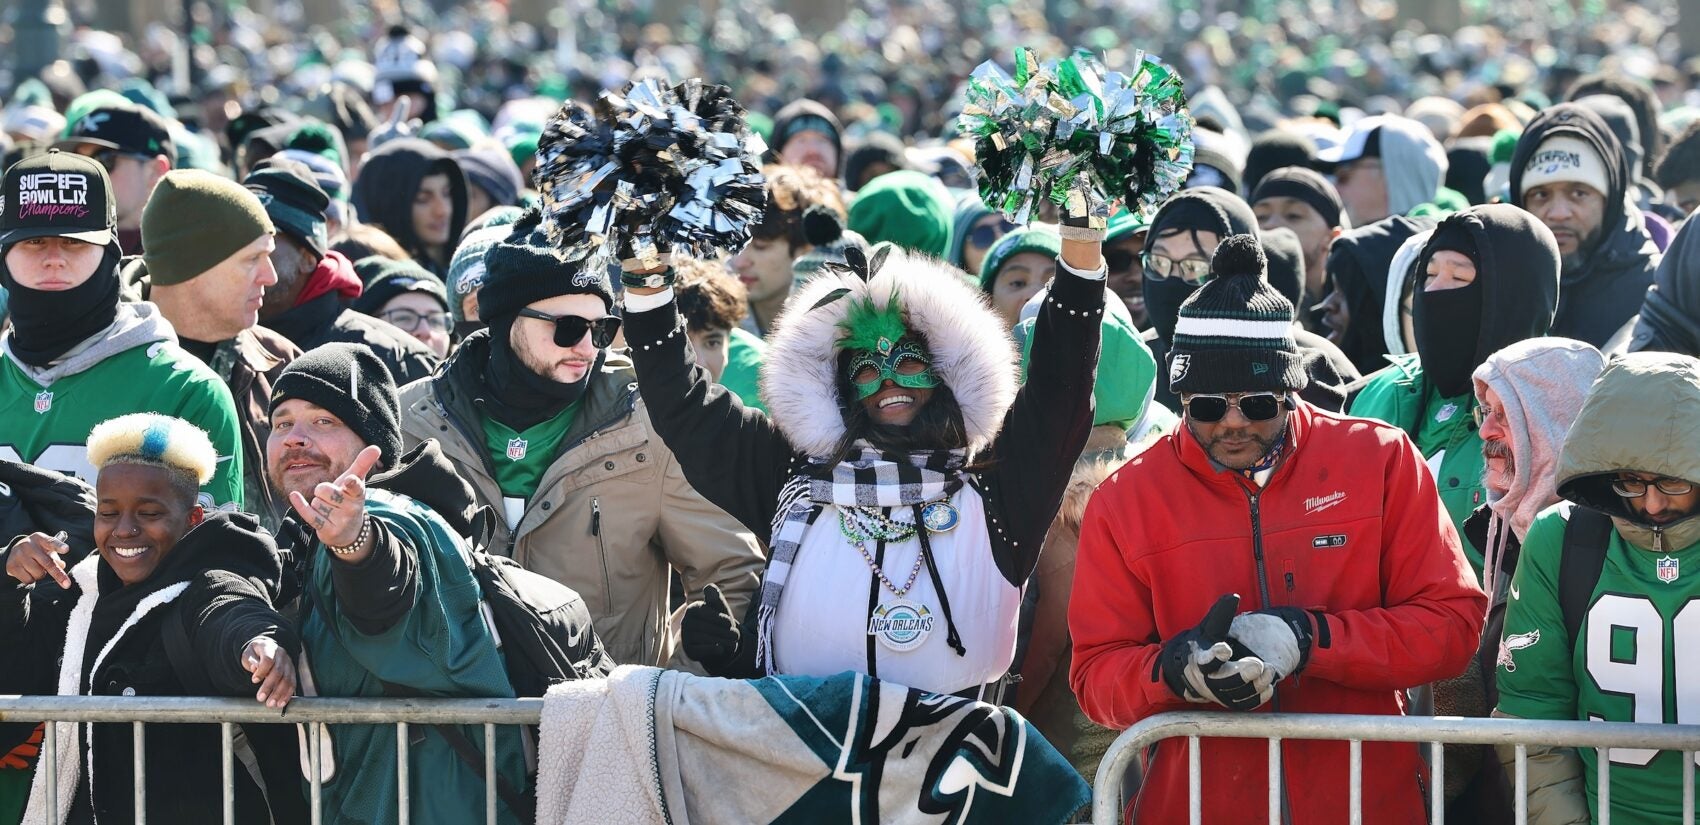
column 1081, row 136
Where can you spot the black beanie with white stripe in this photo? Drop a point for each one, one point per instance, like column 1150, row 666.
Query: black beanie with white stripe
column 1235, row 334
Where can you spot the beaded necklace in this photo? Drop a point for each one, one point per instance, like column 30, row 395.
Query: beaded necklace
column 862, row 524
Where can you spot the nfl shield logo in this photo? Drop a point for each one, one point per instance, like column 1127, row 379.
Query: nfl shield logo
column 43, row 401
column 516, row 449
column 1667, row 569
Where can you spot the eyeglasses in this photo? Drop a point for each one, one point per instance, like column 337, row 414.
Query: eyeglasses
column 987, row 234
column 570, row 329
column 1631, row 487
column 409, row 321
column 1192, row 270
column 1255, row 406
column 1484, row 412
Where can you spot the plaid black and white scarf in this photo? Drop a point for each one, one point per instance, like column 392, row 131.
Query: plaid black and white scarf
column 871, row 479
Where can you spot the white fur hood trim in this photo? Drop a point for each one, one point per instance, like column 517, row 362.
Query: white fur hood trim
column 972, row 352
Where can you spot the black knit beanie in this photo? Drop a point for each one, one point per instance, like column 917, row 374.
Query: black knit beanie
column 1235, row 334
column 350, row 382
column 385, row 278
column 526, row 268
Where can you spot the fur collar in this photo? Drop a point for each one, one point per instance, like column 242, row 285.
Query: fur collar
column 972, row 352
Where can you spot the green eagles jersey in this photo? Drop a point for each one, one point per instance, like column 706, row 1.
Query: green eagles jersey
column 521, row 459
column 50, row 427
column 1638, row 658
column 744, row 354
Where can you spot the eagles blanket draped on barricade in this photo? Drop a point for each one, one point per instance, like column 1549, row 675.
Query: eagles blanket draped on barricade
column 653, row 746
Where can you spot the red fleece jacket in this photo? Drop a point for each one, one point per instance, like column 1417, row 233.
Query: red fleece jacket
column 1351, row 528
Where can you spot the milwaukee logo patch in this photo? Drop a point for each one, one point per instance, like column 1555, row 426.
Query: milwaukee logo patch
column 1317, row 504
column 1328, row 542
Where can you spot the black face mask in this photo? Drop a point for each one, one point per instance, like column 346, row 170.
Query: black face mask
column 1447, row 324
column 520, row 398
column 46, row 325
column 1163, row 301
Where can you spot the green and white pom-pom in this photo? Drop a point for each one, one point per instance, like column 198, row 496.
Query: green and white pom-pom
column 1078, row 135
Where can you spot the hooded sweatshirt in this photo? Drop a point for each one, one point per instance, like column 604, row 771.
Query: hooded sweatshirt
column 383, row 194
column 1638, row 416
column 1603, row 293
column 1670, row 314
column 1203, row 209
column 133, row 365
column 1412, row 162
column 1540, row 383
column 1358, row 264
column 1517, row 285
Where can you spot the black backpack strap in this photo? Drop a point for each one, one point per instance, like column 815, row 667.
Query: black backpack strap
column 469, row 754
column 1586, row 536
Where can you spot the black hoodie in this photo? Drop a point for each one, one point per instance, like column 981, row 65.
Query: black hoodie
column 1517, row 269
column 1202, row 209
column 1357, row 264
column 383, row 194
column 228, row 572
column 1670, row 315
column 1607, row 290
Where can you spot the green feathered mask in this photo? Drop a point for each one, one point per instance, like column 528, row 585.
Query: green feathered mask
column 881, row 348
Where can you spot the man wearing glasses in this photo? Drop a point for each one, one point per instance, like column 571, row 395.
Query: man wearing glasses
column 545, row 421
column 411, row 299
column 1602, row 623
column 1285, row 540
column 134, row 144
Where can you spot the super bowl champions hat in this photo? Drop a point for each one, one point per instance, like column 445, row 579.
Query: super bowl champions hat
column 58, row 194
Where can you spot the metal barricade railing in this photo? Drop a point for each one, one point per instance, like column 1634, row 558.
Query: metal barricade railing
column 316, row 713
column 1357, row 729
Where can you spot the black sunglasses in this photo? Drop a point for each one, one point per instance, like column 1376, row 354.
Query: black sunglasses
column 987, row 234
column 1120, row 260
column 1255, row 406
column 570, row 329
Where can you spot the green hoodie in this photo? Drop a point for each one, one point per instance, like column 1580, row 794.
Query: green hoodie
column 1639, row 634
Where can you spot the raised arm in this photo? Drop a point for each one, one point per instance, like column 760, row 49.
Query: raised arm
column 734, row 455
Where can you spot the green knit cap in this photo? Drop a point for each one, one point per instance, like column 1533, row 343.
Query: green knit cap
column 1127, row 372
column 1042, row 240
column 194, row 220
column 907, row 208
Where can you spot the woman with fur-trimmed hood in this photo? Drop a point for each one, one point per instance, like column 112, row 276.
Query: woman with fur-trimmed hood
column 905, row 484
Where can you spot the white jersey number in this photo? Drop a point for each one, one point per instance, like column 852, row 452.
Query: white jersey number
column 1641, row 677
column 70, row 459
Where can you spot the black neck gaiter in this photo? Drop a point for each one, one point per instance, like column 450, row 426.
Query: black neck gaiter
column 46, row 325
column 518, row 397
column 1447, row 324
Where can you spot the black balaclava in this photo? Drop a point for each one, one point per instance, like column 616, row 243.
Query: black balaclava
column 518, row 397
column 1201, row 209
column 1447, row 322
column 46, row 325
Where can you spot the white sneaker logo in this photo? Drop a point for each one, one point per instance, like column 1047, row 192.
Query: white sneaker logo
column 1317, row 504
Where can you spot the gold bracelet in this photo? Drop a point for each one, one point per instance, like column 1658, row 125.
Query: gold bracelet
column 360, row 539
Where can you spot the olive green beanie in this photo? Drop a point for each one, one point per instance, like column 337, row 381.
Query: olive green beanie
column 1041, row 239
column 194, row 220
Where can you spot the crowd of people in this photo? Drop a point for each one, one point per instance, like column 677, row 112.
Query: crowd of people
column 1380, row 413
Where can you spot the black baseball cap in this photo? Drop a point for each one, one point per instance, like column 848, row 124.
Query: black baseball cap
column 134, row 129
column 57, row 194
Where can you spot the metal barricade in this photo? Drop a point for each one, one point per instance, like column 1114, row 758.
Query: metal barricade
column 1357, row 729
column 316, row 713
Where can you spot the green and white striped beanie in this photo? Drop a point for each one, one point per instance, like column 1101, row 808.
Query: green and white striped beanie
column 1235, row 334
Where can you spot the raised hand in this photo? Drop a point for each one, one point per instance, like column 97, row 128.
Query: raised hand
column 338, row 508
column 37, row 556
column 708, row 631
column 272, row 670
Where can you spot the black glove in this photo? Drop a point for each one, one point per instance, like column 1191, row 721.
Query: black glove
column 709, row 633
column 1192, row 663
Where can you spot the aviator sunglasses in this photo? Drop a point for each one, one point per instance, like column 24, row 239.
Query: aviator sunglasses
column 1255, row 406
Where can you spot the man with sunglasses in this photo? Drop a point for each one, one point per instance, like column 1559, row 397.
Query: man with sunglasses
column 1601, row 618
column 134, row 144
column 1284, row 540
column 544, row 420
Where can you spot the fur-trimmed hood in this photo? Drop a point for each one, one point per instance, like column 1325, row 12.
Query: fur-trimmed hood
column 972, row 352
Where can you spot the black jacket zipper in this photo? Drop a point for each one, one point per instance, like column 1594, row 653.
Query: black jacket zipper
column 1263, row 593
